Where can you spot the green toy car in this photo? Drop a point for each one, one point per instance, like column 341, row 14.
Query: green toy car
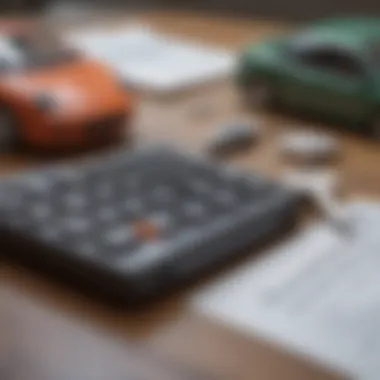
column 331, row 68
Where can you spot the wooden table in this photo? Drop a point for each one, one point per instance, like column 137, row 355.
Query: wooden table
column 62, row 325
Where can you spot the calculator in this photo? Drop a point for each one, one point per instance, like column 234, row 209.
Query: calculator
column 135, row 224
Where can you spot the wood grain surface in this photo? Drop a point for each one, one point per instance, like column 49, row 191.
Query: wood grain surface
column 51, row 332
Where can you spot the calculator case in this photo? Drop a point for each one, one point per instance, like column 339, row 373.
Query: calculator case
column 151, row 266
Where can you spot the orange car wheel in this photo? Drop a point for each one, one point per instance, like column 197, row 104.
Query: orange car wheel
column 8, row 130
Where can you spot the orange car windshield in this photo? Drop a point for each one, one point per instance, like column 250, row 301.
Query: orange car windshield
column 25, row 54
column 33, row 59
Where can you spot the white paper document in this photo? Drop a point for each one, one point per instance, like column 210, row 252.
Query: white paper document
column 317, row 295
column 152, row 61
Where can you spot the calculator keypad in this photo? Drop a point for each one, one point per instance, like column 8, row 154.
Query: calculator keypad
column 129, row 205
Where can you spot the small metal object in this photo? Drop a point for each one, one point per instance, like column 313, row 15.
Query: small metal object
column 321, row 186
column 233, row 137
column 309, row 147
column 332, row 212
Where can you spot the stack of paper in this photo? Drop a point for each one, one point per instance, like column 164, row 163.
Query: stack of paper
column 317, row 295
column 151, row 61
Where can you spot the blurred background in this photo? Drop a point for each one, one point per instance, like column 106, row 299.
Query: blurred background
column 290, row 10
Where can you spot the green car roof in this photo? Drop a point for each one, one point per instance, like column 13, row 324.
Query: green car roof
column 355, row 33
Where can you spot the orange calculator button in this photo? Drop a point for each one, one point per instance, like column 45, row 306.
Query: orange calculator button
column 145, row 230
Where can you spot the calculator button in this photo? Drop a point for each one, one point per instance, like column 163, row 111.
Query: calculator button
column 193, row 210
column 106, row 214
column 103, row 191
column 132, row 181
column 133, row 205
column 39, row 183
column 75, row 199
column 201, row 186
column 76, row 224
column 119, row 235
column 163, row 194
column 163, row 221
column 41, row 211
column 145, row 230
column 68, row 174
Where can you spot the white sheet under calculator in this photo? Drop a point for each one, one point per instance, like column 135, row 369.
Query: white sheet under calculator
column 317, row 295
column 152, row 61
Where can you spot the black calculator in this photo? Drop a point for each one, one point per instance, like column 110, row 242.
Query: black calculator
column 133, row 225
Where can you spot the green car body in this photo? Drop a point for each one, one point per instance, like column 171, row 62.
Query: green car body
column 331, row 68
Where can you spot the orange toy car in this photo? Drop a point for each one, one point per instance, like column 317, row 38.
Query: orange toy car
column 53, row 98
